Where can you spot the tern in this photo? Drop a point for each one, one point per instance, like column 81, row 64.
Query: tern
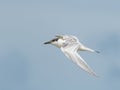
column 70, row 46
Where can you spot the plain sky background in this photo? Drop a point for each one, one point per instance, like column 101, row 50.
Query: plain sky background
column 27, row 64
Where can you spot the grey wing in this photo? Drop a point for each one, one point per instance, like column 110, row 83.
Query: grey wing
column 72, row 54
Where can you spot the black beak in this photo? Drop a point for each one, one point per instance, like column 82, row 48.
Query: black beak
column 49, row 42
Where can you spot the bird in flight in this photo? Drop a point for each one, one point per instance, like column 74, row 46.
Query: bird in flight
column 70, row 46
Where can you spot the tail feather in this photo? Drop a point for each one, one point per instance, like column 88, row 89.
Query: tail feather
column 83, row 48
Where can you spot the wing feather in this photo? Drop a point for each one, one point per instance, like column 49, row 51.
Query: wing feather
column 71, row 53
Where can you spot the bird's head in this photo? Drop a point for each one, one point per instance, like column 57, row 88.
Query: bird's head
column 58, row 41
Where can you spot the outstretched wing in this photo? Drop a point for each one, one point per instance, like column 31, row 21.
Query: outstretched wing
column 71, row 53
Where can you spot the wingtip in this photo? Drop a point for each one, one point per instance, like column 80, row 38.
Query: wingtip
column 95, row 75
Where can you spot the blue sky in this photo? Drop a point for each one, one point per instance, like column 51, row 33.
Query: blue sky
column 27, row 64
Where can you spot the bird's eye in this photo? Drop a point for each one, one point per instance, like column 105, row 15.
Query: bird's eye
column 55, row 39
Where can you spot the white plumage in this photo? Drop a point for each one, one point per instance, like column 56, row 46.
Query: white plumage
column 70, row 46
